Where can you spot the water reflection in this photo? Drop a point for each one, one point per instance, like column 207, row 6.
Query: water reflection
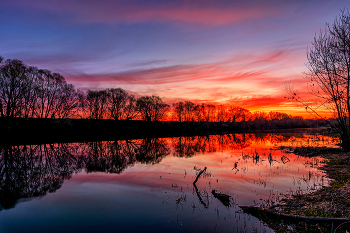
column 152, row 179
column 35, row 170
column 189, row 146
column 115, row 157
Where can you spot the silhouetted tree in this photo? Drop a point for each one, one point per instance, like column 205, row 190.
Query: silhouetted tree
column 205, row 112
column 151, row 108
column 272, row 115
column 69, row 103
column 189, row 112
column 96, row 104
column 238, row 114
column 54, row 97
column 184, row 111
column 329, row 74
column 130, row 110
column 178, row 111
column 13, row 83
column 116, row 102
column 32, row 92
column 222, row 114
column 259, row 115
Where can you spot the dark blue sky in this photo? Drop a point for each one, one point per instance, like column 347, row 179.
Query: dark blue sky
column 212, row 51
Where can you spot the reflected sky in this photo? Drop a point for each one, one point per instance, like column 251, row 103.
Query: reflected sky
column 146, row 184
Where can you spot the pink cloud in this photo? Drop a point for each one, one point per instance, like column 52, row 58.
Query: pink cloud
column 259, row 67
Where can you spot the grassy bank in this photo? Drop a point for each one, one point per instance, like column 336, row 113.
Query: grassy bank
column 325, row 210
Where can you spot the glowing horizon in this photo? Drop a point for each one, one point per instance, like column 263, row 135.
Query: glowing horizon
column 222, row 52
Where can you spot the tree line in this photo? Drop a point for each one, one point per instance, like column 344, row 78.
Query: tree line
column 30, row 92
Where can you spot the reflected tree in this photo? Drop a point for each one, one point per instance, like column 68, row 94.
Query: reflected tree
column 34, row 171
column 115, row 157
column 152, row 151
column 183, row 147
column 110, row 157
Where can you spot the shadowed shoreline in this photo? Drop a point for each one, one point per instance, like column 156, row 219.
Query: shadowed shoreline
column 34, row 130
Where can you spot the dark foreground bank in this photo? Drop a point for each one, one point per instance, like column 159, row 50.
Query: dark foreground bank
column 26, row 131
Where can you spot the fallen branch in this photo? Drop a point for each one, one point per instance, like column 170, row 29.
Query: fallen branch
column 290, row 217
column 224, row 198
column 199, row 174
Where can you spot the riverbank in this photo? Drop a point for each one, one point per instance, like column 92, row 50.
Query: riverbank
column 325, row 210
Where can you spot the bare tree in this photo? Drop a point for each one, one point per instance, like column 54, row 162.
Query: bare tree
column 222, row 114
column 259, row 115
column 51, row 94
column 184, row 111
column 96, row 104
column 272, row 115
column 151, row 108
column 130, row 111
column 329, row 74
column 30, row 93
column 69, row 101
column 117, row 98
column 189, row 111
column 205, row 112
column 238, row 114
column 179, row 111
column 13, row 81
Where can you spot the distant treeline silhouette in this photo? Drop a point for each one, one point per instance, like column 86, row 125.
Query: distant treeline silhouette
column 29, row 92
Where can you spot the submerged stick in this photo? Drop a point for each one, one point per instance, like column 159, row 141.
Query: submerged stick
column 199, row 196
column 224, row 198
column 199, row 174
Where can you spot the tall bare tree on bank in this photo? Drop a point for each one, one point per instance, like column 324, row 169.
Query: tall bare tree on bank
column 12, row 85
column 26, row 91
column 329, row 74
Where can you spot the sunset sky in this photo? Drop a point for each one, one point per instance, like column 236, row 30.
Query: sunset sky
column 218, row 51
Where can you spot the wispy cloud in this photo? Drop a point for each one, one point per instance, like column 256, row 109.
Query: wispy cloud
column 259, row 68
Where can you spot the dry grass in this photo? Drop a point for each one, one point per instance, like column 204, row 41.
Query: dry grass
column 330, row 201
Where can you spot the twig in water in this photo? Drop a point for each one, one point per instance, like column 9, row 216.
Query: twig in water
column 199, row 174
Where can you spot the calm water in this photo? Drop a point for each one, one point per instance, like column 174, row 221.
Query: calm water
column 146, row 184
